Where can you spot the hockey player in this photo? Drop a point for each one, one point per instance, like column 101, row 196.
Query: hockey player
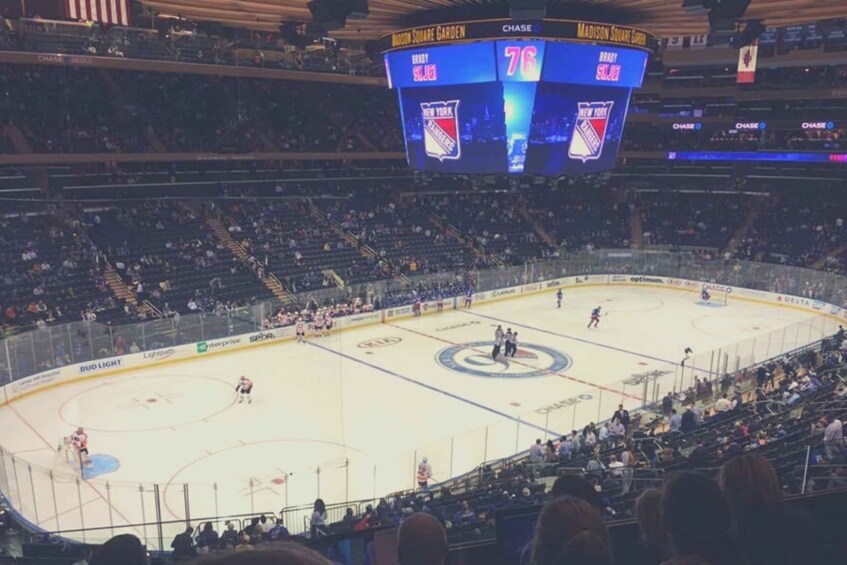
column 595, row 317
column 243, row 389
column 468, row 297
column 498, row 343
column 300, row 330
column 416, row 304
column 319, row 324
column 704, row 295
column 327, row 323
column 559, row 296
column 514, row 345
column 508, row 339
column 439, row 303
column 424, row 474
column 79, row 439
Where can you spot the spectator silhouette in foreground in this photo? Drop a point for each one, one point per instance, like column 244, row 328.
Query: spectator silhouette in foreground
column 769, row 532
column 421, row 540
column 571, row 531
column 283, row 553
column 125, row 549
column 696, row 521
column 648, row 512
column 183, row 545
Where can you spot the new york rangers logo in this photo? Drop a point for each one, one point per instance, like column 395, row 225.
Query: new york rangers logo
column 589, row 132
column 441, row 129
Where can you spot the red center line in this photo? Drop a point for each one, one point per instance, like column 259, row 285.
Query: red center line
column 517, row 362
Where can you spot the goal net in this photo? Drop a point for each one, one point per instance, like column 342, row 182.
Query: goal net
column 68, row 460
column 718, row 295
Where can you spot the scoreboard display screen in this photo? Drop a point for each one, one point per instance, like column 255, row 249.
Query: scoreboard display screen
column 518, row 106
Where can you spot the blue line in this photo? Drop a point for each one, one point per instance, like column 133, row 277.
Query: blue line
column 579, row 339
column 432, row 388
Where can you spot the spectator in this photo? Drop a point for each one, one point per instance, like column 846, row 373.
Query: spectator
column 208, row 539
column 833, row 437
column 125, row 549
column 577, row 487
column 536, row 452
column 318, row 521
column 622, row 415
column 183, row 545
column 229, row 539
column 689, row 420
column 349, row 518
column 723, row 405
column 571, row 532
column 421, row 540
column 696, row 521
column 648, row 512
column 769, row 532
column 278, row 531
column 675, row 421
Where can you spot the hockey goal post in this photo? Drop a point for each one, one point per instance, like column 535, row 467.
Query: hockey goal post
column 68, row 459
column 718, row 294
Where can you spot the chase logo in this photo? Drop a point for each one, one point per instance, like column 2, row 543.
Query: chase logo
column 474, row 358
column 589, row 132
column 441, row 129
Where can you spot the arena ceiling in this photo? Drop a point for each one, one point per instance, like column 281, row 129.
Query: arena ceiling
column 661, row 17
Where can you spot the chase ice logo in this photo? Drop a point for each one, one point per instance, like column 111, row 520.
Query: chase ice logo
column 441, row 129
column 589, row 132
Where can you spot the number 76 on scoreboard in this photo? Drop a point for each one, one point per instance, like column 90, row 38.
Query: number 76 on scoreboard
column 520, row 61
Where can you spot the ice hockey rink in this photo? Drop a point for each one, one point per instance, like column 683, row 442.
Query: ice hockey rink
column 347, row 417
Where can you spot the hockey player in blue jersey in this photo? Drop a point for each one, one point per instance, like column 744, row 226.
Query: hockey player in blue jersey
column 595, row 317
column 559, row 296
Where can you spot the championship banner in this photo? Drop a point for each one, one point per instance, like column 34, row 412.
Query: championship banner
column 747, row 63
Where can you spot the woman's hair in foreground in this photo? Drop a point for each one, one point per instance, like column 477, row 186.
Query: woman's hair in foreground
column 571, row 532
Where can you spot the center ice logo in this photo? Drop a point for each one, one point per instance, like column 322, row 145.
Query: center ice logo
column 474, row 358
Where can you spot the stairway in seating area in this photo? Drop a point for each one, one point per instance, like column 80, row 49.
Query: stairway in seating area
column 270, row 280
column 740, row 234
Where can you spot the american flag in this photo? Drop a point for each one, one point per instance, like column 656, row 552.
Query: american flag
column 114, row 12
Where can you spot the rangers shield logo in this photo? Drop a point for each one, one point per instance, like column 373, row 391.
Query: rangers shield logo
column 589, row 132
column 441, row 129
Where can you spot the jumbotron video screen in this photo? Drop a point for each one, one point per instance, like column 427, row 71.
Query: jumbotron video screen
column 535, row 106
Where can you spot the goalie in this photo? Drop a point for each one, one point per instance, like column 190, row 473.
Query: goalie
column 79, row 440
column 704, row 295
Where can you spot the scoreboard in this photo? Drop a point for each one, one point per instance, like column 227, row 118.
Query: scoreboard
column 516, row 105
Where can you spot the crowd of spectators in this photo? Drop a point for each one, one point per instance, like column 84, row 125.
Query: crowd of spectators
column 129, row 111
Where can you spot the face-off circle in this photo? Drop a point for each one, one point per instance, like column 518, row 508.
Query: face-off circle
column 474, row 358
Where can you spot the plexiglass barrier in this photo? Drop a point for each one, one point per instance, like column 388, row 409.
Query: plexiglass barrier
column 54, row 498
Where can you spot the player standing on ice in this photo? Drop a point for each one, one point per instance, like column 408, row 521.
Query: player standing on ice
column 79, row 439
column 512, row 343
column 243, row 389
column 468, row 297
column 507, row 340
column 559, row 296
column 498, row 342
column 424, row 474
column 416, row 303
column 300, row 330
column 595, row 317
column 704, row 295
column 327, row 323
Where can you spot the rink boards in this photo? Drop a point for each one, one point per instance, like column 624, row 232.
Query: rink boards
column 112, row 365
